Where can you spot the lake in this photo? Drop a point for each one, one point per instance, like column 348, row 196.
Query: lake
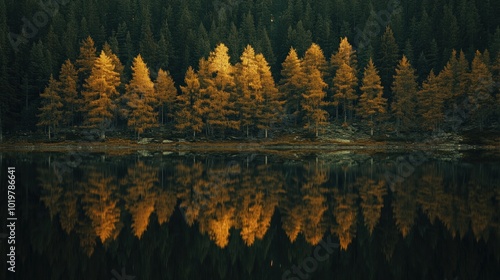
column 280, row 215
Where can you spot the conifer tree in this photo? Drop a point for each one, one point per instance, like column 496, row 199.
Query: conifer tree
column 348, row 77
column 389, row 54
column 293, row 83
column 51, row 114
column 249, row 87
column 188, row 115
column 315, row 91
column 141, row 99
column 344, row 82
column 100, row 94
column 431, row 103
column 86, row 58
column 270, row 108
column 314, row 103
column 166, row 94
column 404, row 90
column 68, row 77
column 221, row 113
column 481, row 87
column 372, row 106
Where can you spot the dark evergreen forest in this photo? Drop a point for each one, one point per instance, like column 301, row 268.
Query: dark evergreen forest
column 37, row 37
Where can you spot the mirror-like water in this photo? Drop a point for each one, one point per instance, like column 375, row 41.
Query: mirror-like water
column 341, row 215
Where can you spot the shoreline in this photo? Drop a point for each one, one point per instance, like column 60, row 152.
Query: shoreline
column 236, row 146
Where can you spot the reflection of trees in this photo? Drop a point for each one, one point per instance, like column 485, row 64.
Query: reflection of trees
column 372, row 200
column 404, row 205
column 344, row 212
column 314, row 202
column 257, row 199
column 218, row 216
column 190, row 187
column 431, row 194
column 141, row 197
column 51, row 191
column 482, row 209
column 100, row 204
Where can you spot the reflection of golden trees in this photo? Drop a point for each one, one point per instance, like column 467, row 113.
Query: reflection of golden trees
column 372, row 200
column 404, row 205
column 218, row 217
column 100, row 204
column 344, row 212
column 482, row 209
column 190, row 186
column 140, row 200
column 69, row 212
column 314, row 203
column 51, row 191
column 257, row 200
column 430, row 194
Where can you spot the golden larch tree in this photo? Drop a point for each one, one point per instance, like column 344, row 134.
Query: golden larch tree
column 270, row 107
column 293, row 83
column 68, row 76
column 372, row 105
column 249, row 88
column 220, row 113
column 404, row 89
column 100, row 94
column 431, row 103
column 481, row 88
column 141, row 98
column 166, row 94
column 51, row 114
column 188, row 116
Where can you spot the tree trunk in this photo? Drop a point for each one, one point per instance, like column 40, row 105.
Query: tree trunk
column 49, row 132
column 1, row 128
column 371, row 125
column 266, row 132
column 345, row 112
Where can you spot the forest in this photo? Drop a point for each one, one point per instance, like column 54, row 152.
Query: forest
column 249, row 68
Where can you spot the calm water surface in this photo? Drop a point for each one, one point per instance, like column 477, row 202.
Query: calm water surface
column 341, row 215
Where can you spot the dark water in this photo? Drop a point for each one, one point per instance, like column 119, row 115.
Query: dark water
column 341, row 215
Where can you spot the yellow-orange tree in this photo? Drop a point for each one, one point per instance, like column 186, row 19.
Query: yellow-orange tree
column 51, row 114
column 404, row 91
column 100, row 94
column 372, row 106
column 188, row 116
column 141, row 99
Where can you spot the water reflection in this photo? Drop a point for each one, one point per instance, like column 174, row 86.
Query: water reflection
column 244, row 201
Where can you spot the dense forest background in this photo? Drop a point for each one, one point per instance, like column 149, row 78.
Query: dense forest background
column 173, row 35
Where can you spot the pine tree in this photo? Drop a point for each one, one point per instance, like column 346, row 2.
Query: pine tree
column 249, row 87
column 166, row 94
column 431, row 103
column 293, row 83
column 314, row 103
column 68, row 76
column 372, row 106
column 344, row 82
column 270, row 108
column 404, row 89
column 86, row 58
column 315, row 59
column 481, row 87
column 141, row 99
column 188, row 115
column 51, row 114
column 221, row 113
column 100, row 94
column 344, row 55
